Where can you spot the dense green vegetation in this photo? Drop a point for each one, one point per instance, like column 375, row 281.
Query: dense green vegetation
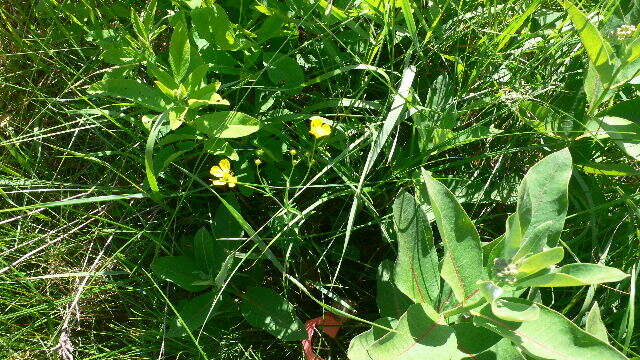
column 195, row 179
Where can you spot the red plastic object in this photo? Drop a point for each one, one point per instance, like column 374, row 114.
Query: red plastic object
column 328, row 323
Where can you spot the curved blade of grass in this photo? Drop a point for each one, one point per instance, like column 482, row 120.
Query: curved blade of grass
column 393, row 118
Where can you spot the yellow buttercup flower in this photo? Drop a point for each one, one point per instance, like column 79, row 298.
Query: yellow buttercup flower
column 223, row 174
column 319, row 127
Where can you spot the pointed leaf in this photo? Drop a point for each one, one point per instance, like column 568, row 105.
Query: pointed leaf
column 462, row 266
column 227, row 124
column 182, row 270
column 541, row 260
column 137, row 92
column 391, row 301
column 551, row 336
column 594, row 325
column 208, row 253
column 417, row 269
column 417, row 337
column 543, row 197
column 600, row 52
column 509, row 310
column 265, row 309
column 179, row 50
column 574, row 275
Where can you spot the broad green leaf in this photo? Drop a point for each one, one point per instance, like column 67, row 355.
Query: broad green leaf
column 195, row 312
column 212, row 24
column 543, row 197
column 137, row 92
column 512, row 236
column 600, row 52
column 182, row 270
column 417, row 270
column 633, row 51
column 462, row 266
column 359, row 345
column 265, row 309
column 625, row 133
column 503, row 350
column 594, row 325
column 551, row 336
column 179, row 50
column 221, row 147
column 574, row 275
column 391, row 301
column 510, row 310
column 283, row 70
column 539, row 261
column 208, row 252
column 225, row 226
column 417, row 337
column 177, row 116
column 536, row 241
column 197, row 77
column 227, row 124
column 474, row 340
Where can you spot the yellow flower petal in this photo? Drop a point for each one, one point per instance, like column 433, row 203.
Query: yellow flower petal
column 219, row 182
column 319, row 127
column 225, row 165
column 231, row 180
column 217, row 171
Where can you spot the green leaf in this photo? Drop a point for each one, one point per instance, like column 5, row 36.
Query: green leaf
column 212, row 24
column 227, row 124
column 359, row 345
column 225, row 226
column 265, row 309
column 594, row 325
column 509, row 310
column 633, row 51
column 391, row 301
column 625, row 133
column 179, row 50
column 574, row 275
column 600, row 52
column 543, row 197
column 197, row 77
column 473, row 340
column 462, row 266
column 417, row 270
column 182, row 270
column 221, row 147
column 195, row 312
column 137, row 92
column 608, row 169
column 208, row 252
column 283, row 70
column 541, row 260
column 512, row 236
column 417, row 337
column 551, row 336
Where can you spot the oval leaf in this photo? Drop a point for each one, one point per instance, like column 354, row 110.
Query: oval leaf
column 227, row 124
column 575, row 275
column 462, row 265
column 417, row 269
column 265, row 309
column 417, row 336
column 541, row 260
column 509, row 310
column 551, row 336
column 543, row 197
column 182, row 270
